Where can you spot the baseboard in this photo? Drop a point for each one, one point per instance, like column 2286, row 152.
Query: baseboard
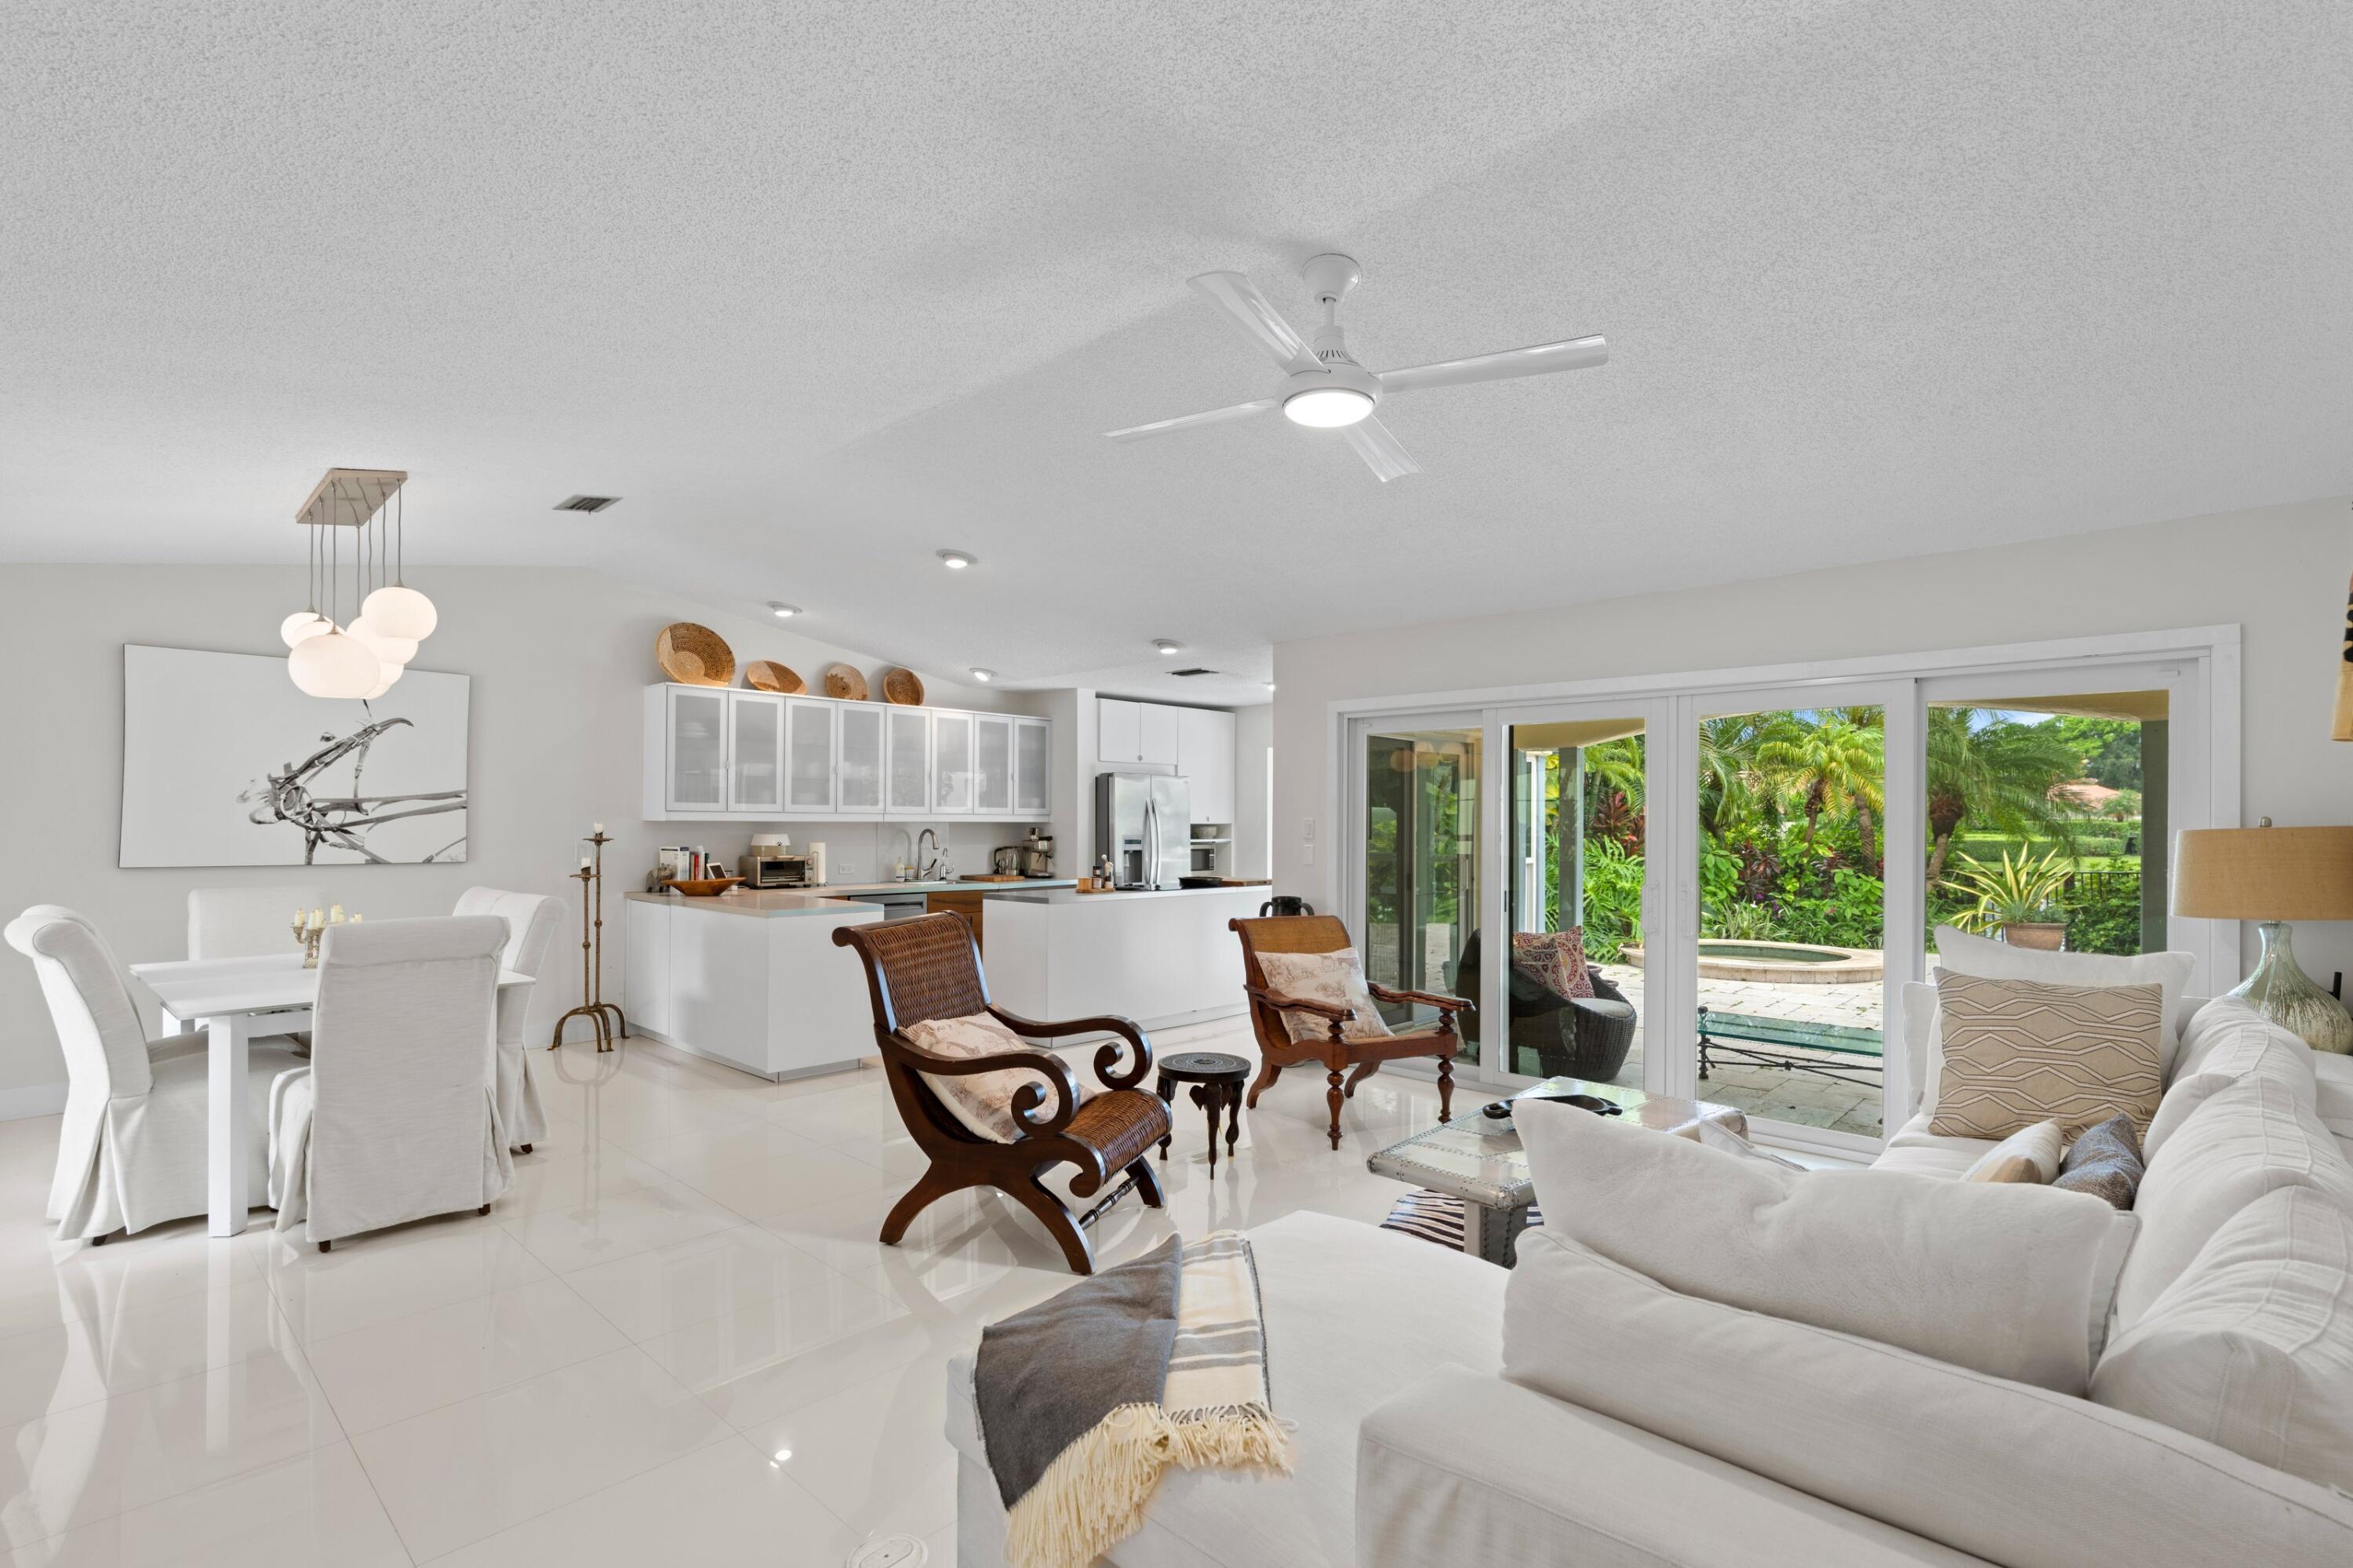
column 32, row 1100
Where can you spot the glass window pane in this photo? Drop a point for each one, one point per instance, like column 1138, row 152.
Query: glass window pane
column 1421, row 864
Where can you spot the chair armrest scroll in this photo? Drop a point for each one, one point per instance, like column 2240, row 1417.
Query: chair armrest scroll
column 1025, row 1099
column 1106, row 1055
column 1298, row 1003
column 1427, row 998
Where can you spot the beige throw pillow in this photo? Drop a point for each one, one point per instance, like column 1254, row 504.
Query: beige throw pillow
column 983, row 1102
column 2029, row 1154
column 1334, row 978
column 2019, row 1052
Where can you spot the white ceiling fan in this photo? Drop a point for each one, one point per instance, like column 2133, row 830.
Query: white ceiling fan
column 1327, row 389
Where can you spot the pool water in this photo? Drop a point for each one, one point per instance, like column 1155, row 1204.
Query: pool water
column 1715, row 947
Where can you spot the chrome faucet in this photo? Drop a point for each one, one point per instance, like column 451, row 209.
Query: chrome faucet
column 924, row 868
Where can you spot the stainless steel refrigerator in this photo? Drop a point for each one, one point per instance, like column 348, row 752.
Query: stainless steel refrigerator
column 1144, row 823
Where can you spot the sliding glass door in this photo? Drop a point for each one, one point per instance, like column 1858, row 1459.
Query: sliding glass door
column 1421, row 849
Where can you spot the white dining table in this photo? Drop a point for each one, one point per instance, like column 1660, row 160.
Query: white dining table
column 232, row 1001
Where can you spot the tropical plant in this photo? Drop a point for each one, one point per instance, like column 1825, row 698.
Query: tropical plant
column 1613, row 900
column 1835, row 766
column 1995, row 777
column 2020, row 891
column 1747, row 923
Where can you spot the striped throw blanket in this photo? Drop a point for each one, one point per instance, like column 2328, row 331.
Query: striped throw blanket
column 1086, row 1399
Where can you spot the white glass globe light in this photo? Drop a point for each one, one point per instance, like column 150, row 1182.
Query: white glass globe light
column 397, row 611
column 391, row 649
column 388, row 675
column 334, row 665
column 303, row 624
column 1327, row 408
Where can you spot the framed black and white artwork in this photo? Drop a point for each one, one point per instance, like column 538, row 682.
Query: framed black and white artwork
column 226, row 762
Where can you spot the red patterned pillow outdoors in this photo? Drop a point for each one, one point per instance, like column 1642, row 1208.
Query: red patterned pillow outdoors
column 1553, row 960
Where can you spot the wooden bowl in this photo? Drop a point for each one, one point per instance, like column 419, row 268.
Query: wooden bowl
column 694, row 655
column 844, row 681
column 706, row 887
column 903, row 687
column 767, row 675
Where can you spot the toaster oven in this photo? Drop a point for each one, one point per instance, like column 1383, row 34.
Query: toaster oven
column 774, row 871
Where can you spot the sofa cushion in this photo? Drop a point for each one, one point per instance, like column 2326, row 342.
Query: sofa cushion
column 2030, row 1154
column 1914, row 1147
column 2017, row 1052
column 2105, row 1163
column 2224, row 1043
column 2252, row 1347
column 1958, row 953
column 2333, row 1097
column 2015, row 1473
column 1353, row 1312
column 2254, row 1135
column 2012, row 1279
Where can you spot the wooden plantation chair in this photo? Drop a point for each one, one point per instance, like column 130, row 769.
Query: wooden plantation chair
column 1325, row 934
column 930, row 969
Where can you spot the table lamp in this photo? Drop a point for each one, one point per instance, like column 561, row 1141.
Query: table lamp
column 2273, row 876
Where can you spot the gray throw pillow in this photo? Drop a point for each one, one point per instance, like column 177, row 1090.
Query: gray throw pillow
column 2104, row 1161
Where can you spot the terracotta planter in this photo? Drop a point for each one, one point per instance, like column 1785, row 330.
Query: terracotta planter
column 2041, row 935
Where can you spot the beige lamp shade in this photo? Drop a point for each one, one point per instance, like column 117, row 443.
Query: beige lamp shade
column 2264, row 873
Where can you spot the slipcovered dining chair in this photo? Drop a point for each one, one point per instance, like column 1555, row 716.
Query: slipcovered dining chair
column 530, row 920
column 249, row 922
column 166, row 1036
column 927, row 971
column 131, row 1153
column 396, row 1117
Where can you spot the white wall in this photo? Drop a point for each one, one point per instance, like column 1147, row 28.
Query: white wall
column 559, row 659
column 2277, row 572
column 1253, row 746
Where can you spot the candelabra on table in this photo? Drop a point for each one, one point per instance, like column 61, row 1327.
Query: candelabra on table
column 594, row 1007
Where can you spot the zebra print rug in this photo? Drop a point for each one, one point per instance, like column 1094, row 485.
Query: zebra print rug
column 1434, row 1216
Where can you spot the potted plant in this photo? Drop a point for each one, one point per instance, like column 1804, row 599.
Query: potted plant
column 2018, row 900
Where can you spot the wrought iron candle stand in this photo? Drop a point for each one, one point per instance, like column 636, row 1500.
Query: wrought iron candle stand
column 591, row 878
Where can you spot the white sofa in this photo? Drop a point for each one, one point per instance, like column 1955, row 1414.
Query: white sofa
column 1413, row 1449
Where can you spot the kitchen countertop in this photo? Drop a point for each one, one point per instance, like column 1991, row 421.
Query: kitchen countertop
column 837, row 898
column 961, row 885
column 1069, row 894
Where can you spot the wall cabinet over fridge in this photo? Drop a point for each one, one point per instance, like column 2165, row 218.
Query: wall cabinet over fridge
column 715, row 755
column 1197, row 744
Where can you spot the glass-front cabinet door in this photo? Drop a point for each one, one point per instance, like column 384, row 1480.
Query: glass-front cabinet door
column 756, row 752
column 859, row 761
column 952, row 762
column 1033, row 756
column 698, row 750
column 992, row 767
column 909, row 734
column 808, row 755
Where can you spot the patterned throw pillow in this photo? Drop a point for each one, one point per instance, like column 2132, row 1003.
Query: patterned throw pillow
column 2020, row 1052
column 1553, row 960
column 1334, row 978
column 2106, row 1161
column 982, row 1101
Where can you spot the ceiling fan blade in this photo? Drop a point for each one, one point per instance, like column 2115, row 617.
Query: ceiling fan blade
column 1248, row 309
column 1186, row 422
column 1540, row 359
column 1380, row 448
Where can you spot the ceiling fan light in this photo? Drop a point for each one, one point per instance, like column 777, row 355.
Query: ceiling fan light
column 302, row 625
column 1327, row 408
column 403, row 613
column 334, row 665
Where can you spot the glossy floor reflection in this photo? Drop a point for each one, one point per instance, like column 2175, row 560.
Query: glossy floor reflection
column 678, row 1330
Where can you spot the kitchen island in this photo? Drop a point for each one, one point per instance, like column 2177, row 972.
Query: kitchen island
column 752, row 979
column 1161, row 957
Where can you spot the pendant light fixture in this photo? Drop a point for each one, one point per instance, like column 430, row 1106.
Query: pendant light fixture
column 363, row 658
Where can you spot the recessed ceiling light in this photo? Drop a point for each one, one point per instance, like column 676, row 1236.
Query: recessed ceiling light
column 781, row 1456
column 956, row 560
column 782, row 610
column 1270, row 686
column 983, row 676
column 1167, row 650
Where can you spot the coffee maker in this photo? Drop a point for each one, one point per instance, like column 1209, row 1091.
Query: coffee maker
column 1037, row 854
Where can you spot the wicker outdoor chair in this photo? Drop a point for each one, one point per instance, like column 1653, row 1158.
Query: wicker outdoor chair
column 1551, row 1035
column 1325, row 934
column 930, row 969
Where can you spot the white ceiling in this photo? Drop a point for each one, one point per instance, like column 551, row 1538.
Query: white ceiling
column 818, row 289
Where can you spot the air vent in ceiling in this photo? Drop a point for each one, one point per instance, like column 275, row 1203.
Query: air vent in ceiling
column 587, row 503
column 1195, row 670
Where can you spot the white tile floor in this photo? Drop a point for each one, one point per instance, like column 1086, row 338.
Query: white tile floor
column 676, row 1332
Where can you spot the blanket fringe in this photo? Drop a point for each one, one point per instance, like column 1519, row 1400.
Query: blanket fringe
column 1094, row 1495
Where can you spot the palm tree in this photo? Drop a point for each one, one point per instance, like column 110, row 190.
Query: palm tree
column 1728, row 772
column 1832, row 767
column 1994, row 775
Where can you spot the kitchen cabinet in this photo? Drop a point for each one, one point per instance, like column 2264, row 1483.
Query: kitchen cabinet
column 909, row 733
column 765, row 991
column 715, row 755
column 756, row 752
column 1119, row 730
column 645, row 964
column 992, row 765
column 808, row 755
column 1033, row 762
column 858, row 760
column 1205, row 757
column 1158, row 726
column 951, row 762
column 967, row 904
